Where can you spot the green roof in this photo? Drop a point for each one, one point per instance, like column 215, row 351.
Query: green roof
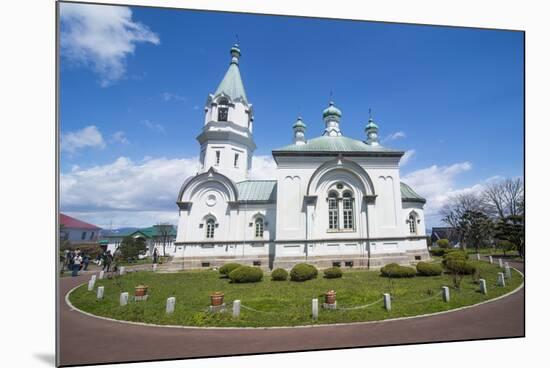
column 153, row 231
column 232, row 84
column 409, row 195
column 331, row 110
column 257, row 190
column 333, row 144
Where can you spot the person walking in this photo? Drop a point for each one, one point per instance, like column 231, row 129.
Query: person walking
column 107, row 259
column 85, row 261
column 155, row 256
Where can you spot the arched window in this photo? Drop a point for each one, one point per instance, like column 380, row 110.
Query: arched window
column 259, row 227
column 223, row 109
column 333, row 211
column 347, row 207
column 412, row 223
column 210, row 226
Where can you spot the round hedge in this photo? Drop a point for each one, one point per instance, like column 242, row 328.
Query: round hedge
column 228, row 267
column 455, row 255
column 303, row 272
column 438, row 252
column 429, row 269
column 395, row 270
column 442, row 243
column 333, row 273
column 246, row 274
column 279, row 274
column 460, row 266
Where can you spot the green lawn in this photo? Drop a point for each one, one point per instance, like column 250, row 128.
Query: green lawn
column 282, row 303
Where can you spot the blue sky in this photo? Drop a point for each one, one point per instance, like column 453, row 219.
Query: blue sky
column 132, row 99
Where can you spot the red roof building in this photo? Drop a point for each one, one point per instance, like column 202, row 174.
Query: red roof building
column 77, row 231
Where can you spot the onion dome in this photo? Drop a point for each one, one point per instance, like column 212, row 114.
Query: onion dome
column 299, row 131
column 332, row 112
column 372, row 132
column 299, row 123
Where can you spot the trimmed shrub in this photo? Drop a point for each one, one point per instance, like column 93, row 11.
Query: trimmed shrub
column 443, row 243
column 460, row 267
column 455, row 255
column 246, row 274
column 429, row 269
column 333, row 273
column 395, row 270
column 228, row 267
column 279, row 274
column 438, row 252
column 506, row 246
column 303, row 272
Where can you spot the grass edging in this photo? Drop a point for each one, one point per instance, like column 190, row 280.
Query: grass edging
column 299, row 326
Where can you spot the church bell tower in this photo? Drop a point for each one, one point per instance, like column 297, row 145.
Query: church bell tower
column 226, row 137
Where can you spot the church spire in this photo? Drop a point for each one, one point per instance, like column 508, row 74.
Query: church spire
column 232, row 84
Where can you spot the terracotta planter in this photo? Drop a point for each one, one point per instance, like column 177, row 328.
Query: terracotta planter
column 216, row 299
column 140, row 290
column 330, row 297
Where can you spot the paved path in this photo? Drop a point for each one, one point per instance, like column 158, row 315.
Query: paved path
column 86, row 340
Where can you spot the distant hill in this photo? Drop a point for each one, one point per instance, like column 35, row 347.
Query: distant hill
column 120, row 230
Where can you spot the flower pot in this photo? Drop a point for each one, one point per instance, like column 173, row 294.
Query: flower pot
column 216, row 299
column 330, row 297
column 140, row 290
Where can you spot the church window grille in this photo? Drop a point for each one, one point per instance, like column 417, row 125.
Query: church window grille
column 210, row 226
column 332, row 211
column 412, row 224
column 217, row 157
column 259, row 228
column 236, row 160
column 348, row 211
column 222, row 113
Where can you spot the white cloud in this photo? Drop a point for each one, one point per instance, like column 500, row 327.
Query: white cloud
column 155, row 127
column 89, row 137
column 101, row 37
column 437, row 184
column 263, row 167
column 119, row 137
column 406, row 157
column 125, row 185
column 394, row 136
column 167, row 96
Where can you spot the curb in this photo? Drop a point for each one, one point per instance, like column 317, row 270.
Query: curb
column 67, row 301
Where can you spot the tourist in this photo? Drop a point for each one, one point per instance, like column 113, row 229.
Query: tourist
column 77, row 261
column 85, row 260
column 107, row 259
column 155, row 256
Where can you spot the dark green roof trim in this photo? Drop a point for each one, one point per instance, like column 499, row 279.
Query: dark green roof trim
column 409, row 195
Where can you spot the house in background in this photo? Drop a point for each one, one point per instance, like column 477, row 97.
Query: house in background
column 77, row 231
column 448, row 233
column 155, row 236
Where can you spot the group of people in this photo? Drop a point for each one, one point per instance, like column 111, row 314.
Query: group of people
column 76, row 260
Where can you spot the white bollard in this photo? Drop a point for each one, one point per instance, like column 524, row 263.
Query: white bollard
column 491, row 259
column 236, row 308
column 91, row 283
column 123, row 299
column 478, row 257
column 122, row 270
column 483, row 286
column 315, row 308
column 500, row 279
column 446, row 294
column 387, row 301
column 100, row 292
column 507, row 271
column 170, row 305
column 500, row 262
column 154, row 267
column 101, row 275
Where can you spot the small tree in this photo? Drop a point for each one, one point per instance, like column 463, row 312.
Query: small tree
column 132, row 247
column 512, row 229
column 164, row 234
column 477, row 229
column 506, row 246
column 443, row 243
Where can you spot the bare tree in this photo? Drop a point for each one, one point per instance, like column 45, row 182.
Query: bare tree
column 452, row 213
column 164, row 234
column 505, row 198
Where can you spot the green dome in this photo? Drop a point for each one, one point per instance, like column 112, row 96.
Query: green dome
column 332, row 111
column 371, row 125
column 299, row 124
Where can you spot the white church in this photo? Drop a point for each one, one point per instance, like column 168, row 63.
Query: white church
column 334, row 201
